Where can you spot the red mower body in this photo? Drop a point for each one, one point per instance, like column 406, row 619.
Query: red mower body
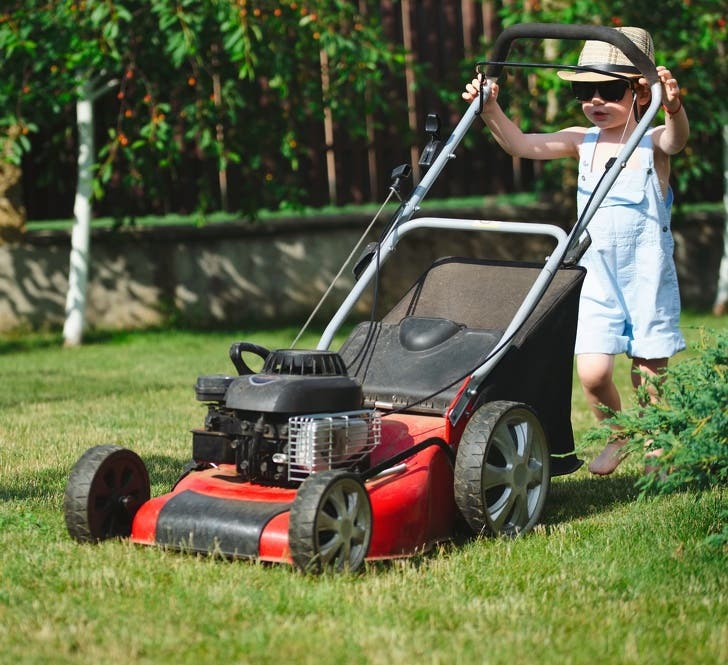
column 412, row 504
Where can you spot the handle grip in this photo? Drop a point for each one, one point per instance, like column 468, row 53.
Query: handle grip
column 612, row 36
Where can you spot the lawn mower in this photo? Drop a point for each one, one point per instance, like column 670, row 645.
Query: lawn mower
column 449, row 413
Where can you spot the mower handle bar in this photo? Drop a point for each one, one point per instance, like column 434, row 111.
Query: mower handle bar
column 503, row 42
column 502, row 46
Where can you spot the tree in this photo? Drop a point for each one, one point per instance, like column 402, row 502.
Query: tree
column 12, row 210
column 59, row 49
column 228, row 80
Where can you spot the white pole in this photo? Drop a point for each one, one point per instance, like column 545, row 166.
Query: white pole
column 75, row 321
column 81, row 234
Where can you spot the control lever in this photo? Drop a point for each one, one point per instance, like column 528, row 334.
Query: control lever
column 432, row 149
column 398, row 174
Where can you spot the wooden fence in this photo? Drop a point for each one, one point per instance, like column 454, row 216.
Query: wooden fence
column 444, row 37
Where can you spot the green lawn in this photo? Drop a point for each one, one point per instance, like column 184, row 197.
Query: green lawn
column 607, row 578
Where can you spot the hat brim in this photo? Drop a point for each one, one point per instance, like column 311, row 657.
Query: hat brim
column 594, row 76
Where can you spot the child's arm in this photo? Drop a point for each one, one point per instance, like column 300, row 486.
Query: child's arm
column 564, row 143
column 671, row 137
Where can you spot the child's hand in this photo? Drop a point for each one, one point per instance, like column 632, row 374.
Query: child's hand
column 472, row 90
column 670, row 89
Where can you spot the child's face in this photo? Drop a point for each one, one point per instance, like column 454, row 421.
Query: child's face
column 606, row 114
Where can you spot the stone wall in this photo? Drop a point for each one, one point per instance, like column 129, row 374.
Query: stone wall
column 240, row 275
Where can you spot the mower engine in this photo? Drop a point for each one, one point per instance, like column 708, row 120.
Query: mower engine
column 301, row 414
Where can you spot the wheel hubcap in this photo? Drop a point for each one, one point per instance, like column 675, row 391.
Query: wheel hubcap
column 342, row 526
column 512, row 475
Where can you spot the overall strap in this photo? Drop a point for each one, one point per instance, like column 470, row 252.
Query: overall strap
column 644, row 150
column 587, row 148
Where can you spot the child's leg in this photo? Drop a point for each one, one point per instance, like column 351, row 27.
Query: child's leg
column 596, row 375
column 642, row 369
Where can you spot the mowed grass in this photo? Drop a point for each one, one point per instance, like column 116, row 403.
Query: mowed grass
column 606, row 578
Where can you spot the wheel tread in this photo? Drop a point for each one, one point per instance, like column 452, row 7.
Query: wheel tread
column 302, row 519
column 471, row 456
column 77, row 495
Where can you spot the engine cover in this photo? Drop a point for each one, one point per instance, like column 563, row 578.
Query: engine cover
column 294, row 382
column 265, row 393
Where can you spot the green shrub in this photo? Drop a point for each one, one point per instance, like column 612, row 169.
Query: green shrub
column 688, row 422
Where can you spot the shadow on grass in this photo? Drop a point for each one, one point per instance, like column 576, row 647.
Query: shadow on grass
column 37, row 341
column 575, row 498
column 569, row 499
column 19, row 343
column 41, row 485
column 51, row 483
column 24, row 342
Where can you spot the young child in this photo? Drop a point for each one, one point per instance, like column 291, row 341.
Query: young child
column 630, row 301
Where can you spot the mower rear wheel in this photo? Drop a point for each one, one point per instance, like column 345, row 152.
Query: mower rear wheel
column 106, row 487
column 502, row 471
column 330, row 526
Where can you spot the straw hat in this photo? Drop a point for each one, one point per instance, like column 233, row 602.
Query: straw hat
column 609, row 58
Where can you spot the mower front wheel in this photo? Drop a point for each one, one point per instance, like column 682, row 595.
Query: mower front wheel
column 330, row 526
column 502, row 471
column 106, row 487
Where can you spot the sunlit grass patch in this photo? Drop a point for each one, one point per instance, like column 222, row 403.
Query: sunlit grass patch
column 606, row 577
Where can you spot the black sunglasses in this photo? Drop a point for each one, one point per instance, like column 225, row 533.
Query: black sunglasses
column 609, row 91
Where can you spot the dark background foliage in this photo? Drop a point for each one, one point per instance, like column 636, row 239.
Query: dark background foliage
column 245, row 105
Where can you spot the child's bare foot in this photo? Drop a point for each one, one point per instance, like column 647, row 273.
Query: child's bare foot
column 650, row 465
column 608, row 460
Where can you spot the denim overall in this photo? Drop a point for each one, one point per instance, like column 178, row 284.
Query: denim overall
column 630, row 302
